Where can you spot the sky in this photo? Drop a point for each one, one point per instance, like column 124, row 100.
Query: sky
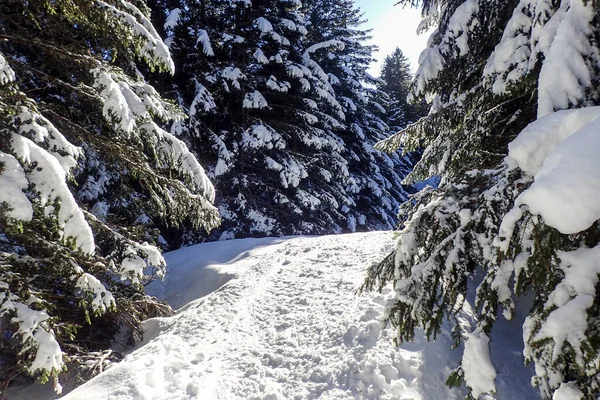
column 393, row 26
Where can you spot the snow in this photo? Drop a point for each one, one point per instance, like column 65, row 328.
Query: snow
column 255, row 100
column 476, row 364
column 176, row 152
column 264, row 25
column 13, row 182
column 565, row 75
column 116, row 107
column 261, row 136
column 172, row 19
column 49, row 179
column 233, row 74
column 568, row 391
column 290, row 25
column 154, row 50
column 41, row 131
column 461, row 23
column 103, row 299
column 453, row 43
column 276, row 318
column 336, row 44
column 203, row 98
column 560, row 152
column 260, row 56
column 205, row 41
column 36, row 334
column 7, row 75
column 570, row 301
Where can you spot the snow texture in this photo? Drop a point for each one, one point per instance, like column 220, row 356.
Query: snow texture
column 477, row 366
column 568, row 391
column 254, row 100
column 13, row 182
column 205, row 41
column 172, row 19
column 560, row 152
column 7, row 75
column 565, row 75
column 49, row 179
column 276, row 319
column 35, row 333
column 154, row 50
column 454, row 43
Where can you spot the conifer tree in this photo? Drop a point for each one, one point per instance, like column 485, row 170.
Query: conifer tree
column 88, row 176
column 492, row 69
column 279, row 158
column 375, row 180
column 395, row 81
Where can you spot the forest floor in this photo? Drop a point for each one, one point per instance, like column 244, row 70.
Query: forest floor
column 279, row 318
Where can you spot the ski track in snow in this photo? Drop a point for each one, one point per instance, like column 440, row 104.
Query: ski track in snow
column 287, row 325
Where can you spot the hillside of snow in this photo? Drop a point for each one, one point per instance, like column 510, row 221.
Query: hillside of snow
column 280, row 319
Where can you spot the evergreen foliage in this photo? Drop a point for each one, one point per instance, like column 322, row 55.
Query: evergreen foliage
column 280, row 114
column 395, row 79
column 87, row 177
column 492, row 69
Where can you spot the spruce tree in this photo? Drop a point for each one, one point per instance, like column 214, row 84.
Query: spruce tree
column 375, row 179
column 395, row 81
column 268, row 115
column 88, row 176
column 492, row 69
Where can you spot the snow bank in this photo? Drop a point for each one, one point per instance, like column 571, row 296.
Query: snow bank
column 277, row 319
column 561, row 152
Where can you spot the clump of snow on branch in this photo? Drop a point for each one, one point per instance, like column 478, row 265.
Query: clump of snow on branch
column 35, row 334
column 102, row 299
column 476, row 364
column 172, row 19
column 154, row 51
column 254, row 100
column 454, row 43
column 203, row 100
column 7, row 75
column 13, row 182
column 560, row 152
column 204, row 40
column 176, row 153
column 42, row 132
column 233, row 74
column 262, row 136
column 45, row 172
column 264, row 25
column 565, row 74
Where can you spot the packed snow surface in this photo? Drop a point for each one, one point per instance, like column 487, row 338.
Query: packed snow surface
column 276, row 319
column 279, row 318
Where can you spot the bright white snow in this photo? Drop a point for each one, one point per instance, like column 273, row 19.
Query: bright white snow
column 276, row 319
column 561, row 152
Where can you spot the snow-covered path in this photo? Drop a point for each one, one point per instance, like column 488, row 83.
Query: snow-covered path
column 287, row 324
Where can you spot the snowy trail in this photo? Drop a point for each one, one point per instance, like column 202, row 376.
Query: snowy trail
column 287, row 325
